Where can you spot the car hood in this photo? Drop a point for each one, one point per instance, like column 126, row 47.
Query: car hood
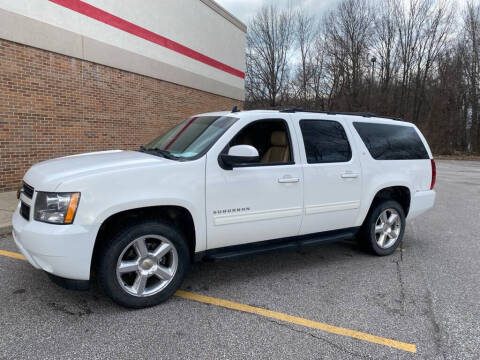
column 48, row 175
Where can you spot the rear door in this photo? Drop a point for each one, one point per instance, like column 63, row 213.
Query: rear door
column 332, row 174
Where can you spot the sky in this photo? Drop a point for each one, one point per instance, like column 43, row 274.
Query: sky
column 244, row 9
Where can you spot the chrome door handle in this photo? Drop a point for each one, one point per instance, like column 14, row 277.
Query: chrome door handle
column 348, row 175
column 286, row 179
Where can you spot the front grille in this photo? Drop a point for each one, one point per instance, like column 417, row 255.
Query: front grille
column 25, row 211
column 27, row 190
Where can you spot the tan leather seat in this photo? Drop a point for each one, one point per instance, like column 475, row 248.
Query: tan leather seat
column 279, row 150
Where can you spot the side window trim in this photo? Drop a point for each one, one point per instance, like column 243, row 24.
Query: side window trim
column 347, row 137
column 289, row 137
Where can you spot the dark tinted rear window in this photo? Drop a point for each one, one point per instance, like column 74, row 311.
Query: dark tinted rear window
column 391, row 142
column 325, row 141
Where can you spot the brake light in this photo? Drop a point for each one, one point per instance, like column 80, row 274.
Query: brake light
column 434, row 174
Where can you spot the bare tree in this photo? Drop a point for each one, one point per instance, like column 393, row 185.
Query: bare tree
column 348, row 29
column 471, row 57
column 428, row 60
column 269, row 41
column 318, row 76
column 433, row 41
column 410, row 17
column 385, row 44
column 305, row 34
column 447, row 130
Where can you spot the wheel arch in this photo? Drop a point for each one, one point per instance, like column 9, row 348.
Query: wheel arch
column 400, row 193
column 178, row 216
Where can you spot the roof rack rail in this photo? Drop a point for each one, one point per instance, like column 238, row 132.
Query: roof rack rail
column 363, row 114
column 292, row 110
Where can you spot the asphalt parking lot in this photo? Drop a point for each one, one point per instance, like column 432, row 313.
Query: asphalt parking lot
column 426, row 296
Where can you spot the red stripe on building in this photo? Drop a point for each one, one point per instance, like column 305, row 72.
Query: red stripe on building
column 180, row 132
column 124, row 25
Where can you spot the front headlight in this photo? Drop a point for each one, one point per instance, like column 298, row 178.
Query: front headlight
column 56, row 208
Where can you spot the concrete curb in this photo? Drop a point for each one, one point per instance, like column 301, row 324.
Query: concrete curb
column 5, row 229
column 8, row 204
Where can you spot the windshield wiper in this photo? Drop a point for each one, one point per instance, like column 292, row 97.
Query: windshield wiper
column 166, row 154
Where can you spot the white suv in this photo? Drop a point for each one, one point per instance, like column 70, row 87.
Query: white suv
column 219, row 185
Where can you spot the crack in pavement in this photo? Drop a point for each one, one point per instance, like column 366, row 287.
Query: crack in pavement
column 438, row 331
column 401, row 282
column 335, row 345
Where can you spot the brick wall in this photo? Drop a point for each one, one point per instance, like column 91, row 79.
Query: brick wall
column 53, row 105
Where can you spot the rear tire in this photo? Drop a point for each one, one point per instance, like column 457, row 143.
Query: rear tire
column 143, row 265
column 383, row 229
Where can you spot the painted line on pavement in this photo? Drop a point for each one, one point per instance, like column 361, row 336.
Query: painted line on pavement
column 278, row 316
column 11, row 254
column 298, row 321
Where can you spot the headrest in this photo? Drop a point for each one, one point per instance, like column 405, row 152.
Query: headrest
column 278, row 138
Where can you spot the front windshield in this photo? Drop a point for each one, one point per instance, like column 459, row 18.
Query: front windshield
column 191, row 137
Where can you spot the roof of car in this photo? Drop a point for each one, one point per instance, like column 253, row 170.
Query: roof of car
column 327, row 115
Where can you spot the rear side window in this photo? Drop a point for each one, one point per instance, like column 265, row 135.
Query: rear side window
column 391, row 142
column 325, row 141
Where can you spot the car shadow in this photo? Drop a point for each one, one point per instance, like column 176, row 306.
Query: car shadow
column 204, row 277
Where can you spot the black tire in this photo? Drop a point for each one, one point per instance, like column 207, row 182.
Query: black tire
column 115, row 245
column 367, row 235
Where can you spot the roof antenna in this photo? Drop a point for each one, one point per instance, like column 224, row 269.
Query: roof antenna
column 235, row 109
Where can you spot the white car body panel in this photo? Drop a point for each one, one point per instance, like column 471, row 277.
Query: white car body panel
column 269, row 215
column 109, row 183
column 332, row 190
column 48, row 175
column 228, row 207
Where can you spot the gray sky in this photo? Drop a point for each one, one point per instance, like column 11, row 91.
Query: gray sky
column 244, row 9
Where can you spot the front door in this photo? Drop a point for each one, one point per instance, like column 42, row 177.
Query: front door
column 259, row 202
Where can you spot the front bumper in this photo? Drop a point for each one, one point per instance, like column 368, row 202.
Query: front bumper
column 421, row 202
column 61, row 250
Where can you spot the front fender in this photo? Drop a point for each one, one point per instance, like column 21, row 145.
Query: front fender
column 174, row 184
column 200, row 234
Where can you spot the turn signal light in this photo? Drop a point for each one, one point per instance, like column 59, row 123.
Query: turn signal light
column 72, row 208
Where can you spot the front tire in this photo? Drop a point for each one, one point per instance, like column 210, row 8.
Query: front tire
column 383, row 229
column 144, row 264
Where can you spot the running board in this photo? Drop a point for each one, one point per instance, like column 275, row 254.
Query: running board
column 293, row 242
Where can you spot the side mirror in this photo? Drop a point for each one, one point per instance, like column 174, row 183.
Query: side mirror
column 240, row 156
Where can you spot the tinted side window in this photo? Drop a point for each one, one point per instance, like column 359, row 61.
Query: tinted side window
column 391, row 142
column 325, row 141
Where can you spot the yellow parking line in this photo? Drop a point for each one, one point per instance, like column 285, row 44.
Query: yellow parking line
column 12, row 254
column 278, row 316
column 298, row 321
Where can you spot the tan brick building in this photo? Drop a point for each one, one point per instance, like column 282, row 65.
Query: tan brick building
column 79, row 76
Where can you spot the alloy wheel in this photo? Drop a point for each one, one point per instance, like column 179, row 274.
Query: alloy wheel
column 147, row 265
column 387, row 228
